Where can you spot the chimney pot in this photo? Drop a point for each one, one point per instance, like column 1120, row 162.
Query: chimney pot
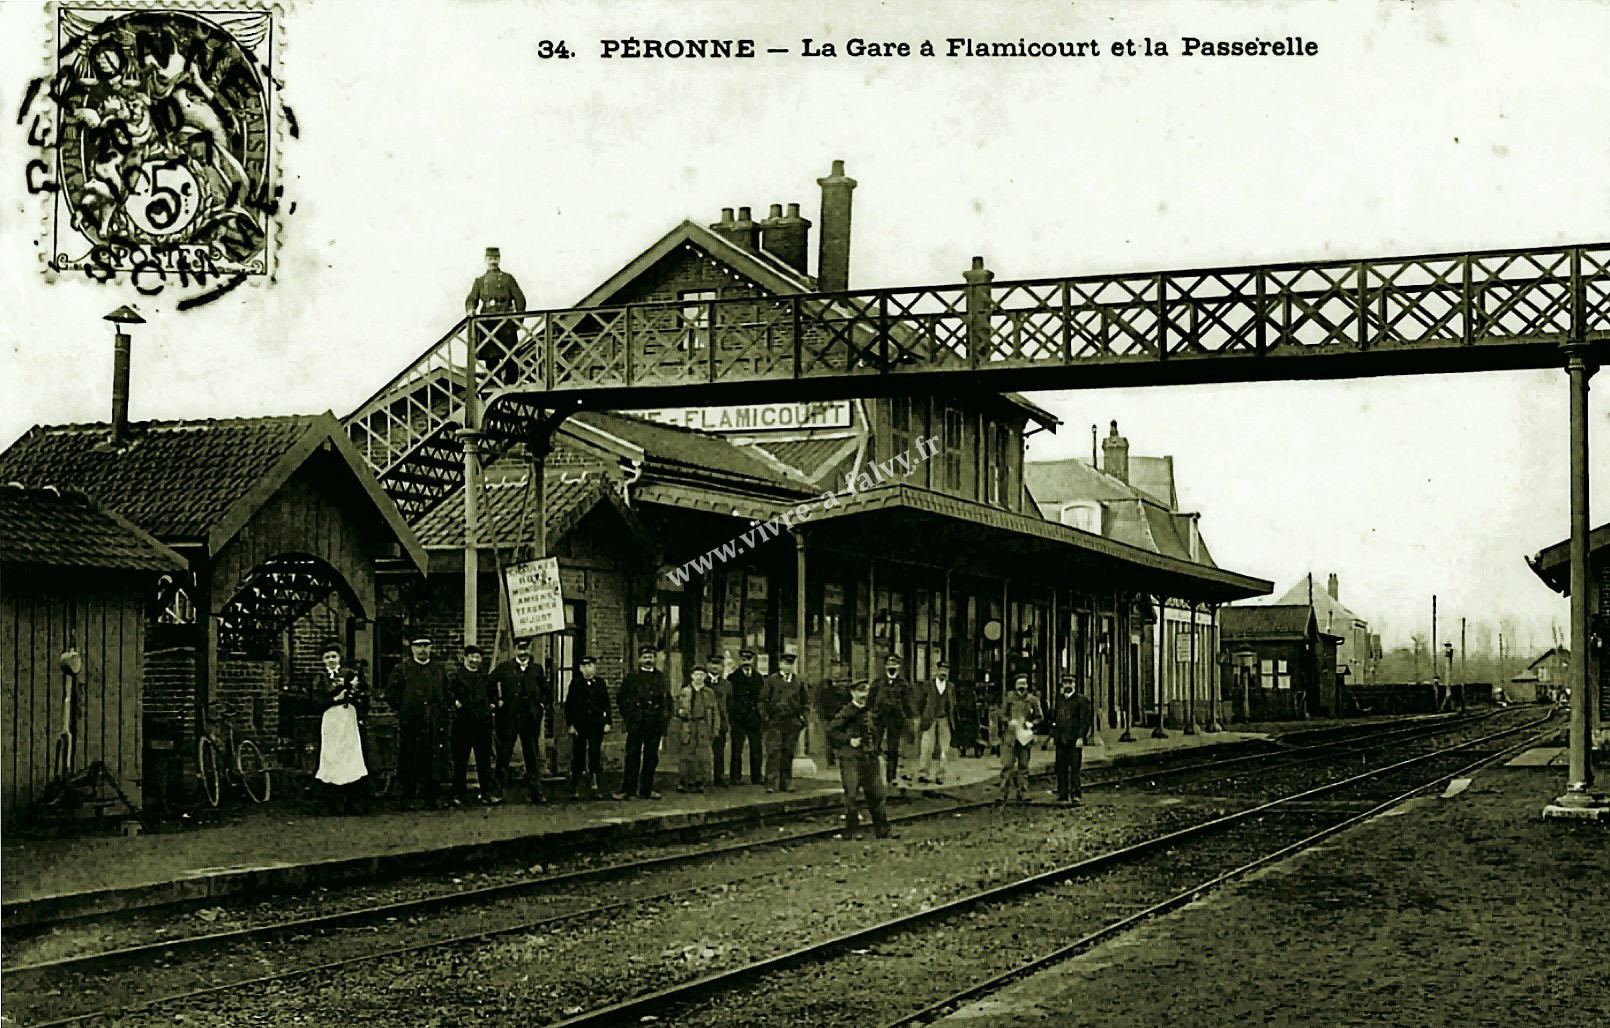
column 726, row 215
column 1334, row 588
column 787, row 238
column 793, row 210
column 776, row 210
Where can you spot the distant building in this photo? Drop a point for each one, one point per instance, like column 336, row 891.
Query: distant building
column 1358, row 651
column 1551, row 671
column 1553, row 566
column 1132, row 499
column 1283, row 665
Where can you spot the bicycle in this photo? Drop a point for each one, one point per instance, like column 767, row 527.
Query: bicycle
column 242, row 761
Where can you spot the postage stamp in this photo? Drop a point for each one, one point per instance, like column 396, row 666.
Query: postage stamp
column 157, row 141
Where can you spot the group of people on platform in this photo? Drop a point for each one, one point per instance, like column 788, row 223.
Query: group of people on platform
column 714, row 727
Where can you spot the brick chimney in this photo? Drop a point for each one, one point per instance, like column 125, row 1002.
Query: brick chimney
column 833, row 242
column 1333, row 588
column 786, row 236
column 740, row 231
column 1115, row 455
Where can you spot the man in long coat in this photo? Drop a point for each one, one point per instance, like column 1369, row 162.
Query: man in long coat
column 645, row 702
column 721, row 689
column 469, row 688
column 417, row 690
column 495, row 292
column 520, row 701
column 890, row 702
column 1070, row 722
column 783, row 705
column 743, row 715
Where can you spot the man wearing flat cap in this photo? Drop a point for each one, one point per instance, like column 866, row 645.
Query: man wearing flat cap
column 721, row 688
column 495, row 292
column 744, row 687
column 417, row 690
column 469, row 690
column 520, row 701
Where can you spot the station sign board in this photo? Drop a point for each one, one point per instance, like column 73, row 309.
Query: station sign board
column 756, row 417
column 536, row 600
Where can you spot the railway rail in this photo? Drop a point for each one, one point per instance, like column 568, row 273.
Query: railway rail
column 557, row 909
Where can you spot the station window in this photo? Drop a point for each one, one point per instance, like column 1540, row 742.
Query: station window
column 950, row 459
column 695, row 313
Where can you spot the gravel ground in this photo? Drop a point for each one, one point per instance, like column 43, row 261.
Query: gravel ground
column 1463, row 911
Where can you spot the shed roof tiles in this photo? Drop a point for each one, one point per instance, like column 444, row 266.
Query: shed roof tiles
column 53, row 528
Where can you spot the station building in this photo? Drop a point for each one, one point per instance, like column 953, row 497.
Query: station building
column 924, row 538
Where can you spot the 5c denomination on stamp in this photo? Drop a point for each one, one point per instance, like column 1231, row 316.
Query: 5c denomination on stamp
column 156, row 142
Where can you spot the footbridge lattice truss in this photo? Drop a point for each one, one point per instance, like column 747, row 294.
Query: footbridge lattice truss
column 1479, row 311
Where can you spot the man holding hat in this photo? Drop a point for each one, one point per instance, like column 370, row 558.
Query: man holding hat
column 743, row 711
column 519, row 700
column 417, row 690
column 645, row 702
column 783, row 705
column 472, row 728
column 587, row 712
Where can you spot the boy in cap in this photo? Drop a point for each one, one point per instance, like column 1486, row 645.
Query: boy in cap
column 744, row 687
column 417, row 690
column 520, row 700
column 587, row 711
column 645, row 702
column 783, row 704
column 851, row 733
column 472, row 728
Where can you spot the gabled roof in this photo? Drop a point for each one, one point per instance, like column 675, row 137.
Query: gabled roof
column 193, row 482
column 762, row 268
column 51, row 528
column 1328, row 611
column 1130, row 514
column 1559, row 653
column 1266, row 621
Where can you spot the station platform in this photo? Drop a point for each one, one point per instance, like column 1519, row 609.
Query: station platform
column 269, row 849
column 1464, row 907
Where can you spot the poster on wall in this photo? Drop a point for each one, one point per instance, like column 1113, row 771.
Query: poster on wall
column 536, row 600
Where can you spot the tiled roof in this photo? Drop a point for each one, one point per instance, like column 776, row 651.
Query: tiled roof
column 175, row 479
column 58, row 529
column 506, row 516
column 807, row 456
column 669, row 446
column 1265, row 621
column 1328, row 610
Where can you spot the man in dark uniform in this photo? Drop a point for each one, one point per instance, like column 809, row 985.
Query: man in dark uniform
column 783, row 705
column 645, row 702
column 891, row 710
column 417, row 690
column 495, row 292
column 850, row 732
column 587, row 711
column 472, row 727
column 1073, row 718
column 743, row 713
column 519, row 700
column 721, row 689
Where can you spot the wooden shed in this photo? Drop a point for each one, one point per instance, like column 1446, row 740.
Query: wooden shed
column 73, row 578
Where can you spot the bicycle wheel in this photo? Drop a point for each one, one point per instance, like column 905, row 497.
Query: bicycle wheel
column 253, row 771
column 207, row 770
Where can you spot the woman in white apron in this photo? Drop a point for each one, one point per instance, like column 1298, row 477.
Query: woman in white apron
column 341, row 764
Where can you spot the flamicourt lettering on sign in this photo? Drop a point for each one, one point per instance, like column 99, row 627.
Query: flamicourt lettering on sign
column 756, row 417
column 536, row 600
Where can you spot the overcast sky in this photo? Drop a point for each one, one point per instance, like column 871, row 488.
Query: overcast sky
column 429, row 130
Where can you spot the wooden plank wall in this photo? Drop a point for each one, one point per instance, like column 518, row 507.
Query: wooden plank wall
column 41, row 615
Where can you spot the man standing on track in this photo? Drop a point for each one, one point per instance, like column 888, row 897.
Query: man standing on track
column 743, row 713
column 851, row 733
column 520, row 699
column 1073, row 718
column 783, row 704
column 587, row 712
column 645, row 702
column 417, row 690
column 891, row 711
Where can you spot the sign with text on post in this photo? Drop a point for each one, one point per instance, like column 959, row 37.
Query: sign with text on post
column 536, row 600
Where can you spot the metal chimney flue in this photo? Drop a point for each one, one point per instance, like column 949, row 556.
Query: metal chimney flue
column 122, row 344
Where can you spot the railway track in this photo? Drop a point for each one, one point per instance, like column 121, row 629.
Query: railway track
column 763, row 989
column 560, row 906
